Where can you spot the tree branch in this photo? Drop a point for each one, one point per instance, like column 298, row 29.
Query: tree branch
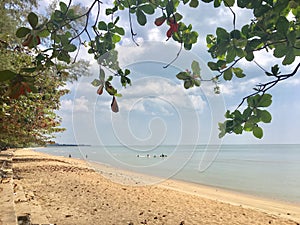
column 263, row 88
column 177, row 55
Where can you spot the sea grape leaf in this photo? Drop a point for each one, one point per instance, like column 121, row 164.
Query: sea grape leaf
column 32, row 19
column 7, row 75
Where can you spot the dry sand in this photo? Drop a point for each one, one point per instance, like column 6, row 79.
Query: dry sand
column 69, row 191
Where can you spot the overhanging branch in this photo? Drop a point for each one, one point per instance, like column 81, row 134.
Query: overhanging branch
column 263, row 88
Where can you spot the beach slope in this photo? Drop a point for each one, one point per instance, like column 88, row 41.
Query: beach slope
column 61, row 190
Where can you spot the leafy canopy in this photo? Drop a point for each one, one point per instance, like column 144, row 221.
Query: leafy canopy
column 274, row 28
column 29, row 93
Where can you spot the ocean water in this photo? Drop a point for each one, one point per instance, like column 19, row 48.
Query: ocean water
column 271, row 171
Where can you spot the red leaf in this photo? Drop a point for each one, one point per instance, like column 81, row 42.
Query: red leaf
column 160, row 20
column 171, row 20
column 169, row 32
column 114, row 105
column 174, row 27
column 28, row 40
column 100, row 90
column 38, row 40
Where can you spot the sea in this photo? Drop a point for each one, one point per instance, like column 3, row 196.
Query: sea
column 268, row 171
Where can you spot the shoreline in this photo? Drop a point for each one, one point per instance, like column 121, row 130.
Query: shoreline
column 264, row 172
column 69, row 191
column 273, row 206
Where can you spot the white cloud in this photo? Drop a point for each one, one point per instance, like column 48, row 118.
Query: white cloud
column 292, row 82
column 198, row 102
column 155, row 34
column 77, row 105
column 160, row 95
column 66, row 105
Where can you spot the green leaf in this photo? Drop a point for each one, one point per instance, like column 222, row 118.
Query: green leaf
column 119, row 30
column 110, row 78
column 213, row 65
column 141, row 18
column 235, row 34
column 148, row 9
column 64, row 56
column 210, row 39
column 251, row 102
column 228, row 115
column 102, row 75
column 240, row 52
column 292, row 37
column 247, row 112
column 282, row 25
column 238, row 129
column 229, row 3
column 194, row 3
column 170, row 8
column 289, row 57
column 227, row 74
column 28, row 70
column 257, row 132
column 238, row 72
column 222, row 33
column 63, row 7
column 32, row 19
column 44, row 33
column 127, row 72
column 110, row 25
column 217, row 3
column 265, row 101
column 222, row 128
column 195, row 68
column 265, row 116
column 268, row 74
column 71, row 14
column 118, row 95
column 243, row 3
column 275, row 70
column 178, row 17
column 188, row 84
column 22, row 32
column 231, row 54
column 183, row 76
column 197, row 82
column 102, row 25
column 293, row 4
column 116, row 38
column 96, row 83
column 110, row 89
column 248, row 126
column 70, row 48
column 7, row 75
column 250, row 56
column 280, row 50
column 187, row 46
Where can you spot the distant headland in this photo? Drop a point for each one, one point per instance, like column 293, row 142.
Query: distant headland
column 65, row 145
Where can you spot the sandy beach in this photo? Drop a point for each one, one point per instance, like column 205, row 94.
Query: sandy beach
column 58, row 190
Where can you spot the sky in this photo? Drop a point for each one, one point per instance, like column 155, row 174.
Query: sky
column 156, row 109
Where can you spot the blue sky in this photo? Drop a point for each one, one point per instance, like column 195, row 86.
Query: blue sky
column 157, row 110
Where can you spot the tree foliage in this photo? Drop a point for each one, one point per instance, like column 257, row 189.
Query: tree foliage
column 274, row 28
column 29, row 95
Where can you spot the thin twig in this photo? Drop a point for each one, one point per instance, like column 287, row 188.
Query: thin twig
column 259, row 66
column 263, row 88
column 131, row 27
column 177, row 55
